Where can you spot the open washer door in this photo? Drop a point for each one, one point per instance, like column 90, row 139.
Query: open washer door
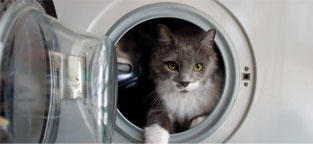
column 56, row 85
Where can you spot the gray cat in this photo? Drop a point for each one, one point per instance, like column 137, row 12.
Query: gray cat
column 188, row 81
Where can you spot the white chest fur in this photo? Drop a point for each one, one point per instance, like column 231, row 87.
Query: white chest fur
column 182, row 106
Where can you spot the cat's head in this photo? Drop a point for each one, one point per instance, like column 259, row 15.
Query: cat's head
column 183, row 61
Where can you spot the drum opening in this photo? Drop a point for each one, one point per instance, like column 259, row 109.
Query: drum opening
column 136, row 90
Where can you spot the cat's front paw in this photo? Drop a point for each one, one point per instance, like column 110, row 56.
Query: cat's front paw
column 197, row 121
column 155, row 134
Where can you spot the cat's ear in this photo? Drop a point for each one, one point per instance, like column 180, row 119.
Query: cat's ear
column 207, row 42
column 165, row 37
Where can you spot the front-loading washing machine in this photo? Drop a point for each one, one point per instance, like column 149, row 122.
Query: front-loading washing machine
column 266, row 53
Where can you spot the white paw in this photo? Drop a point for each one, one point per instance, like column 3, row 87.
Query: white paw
column 197, row 121
column 156, row 134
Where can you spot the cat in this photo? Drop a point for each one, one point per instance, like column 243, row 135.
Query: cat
column 188, row 80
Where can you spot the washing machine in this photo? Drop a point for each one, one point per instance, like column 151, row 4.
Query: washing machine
column 265, row 49
column 267, row 54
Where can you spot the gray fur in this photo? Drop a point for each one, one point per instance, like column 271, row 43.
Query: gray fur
column 180, row 103
column 187, row 48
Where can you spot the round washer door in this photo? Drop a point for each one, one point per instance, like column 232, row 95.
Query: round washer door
column 56, row 85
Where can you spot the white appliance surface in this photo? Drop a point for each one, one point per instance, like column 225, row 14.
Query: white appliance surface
column 281, row 35
column 78, row 14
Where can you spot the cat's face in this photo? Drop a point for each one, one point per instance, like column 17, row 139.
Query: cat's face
column 181, row 62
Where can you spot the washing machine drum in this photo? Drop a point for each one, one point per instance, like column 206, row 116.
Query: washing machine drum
column 56, row 85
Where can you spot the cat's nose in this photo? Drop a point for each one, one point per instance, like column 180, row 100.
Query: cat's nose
column 184, row 83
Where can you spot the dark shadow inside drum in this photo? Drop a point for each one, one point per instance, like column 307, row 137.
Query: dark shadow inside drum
column 135, row 89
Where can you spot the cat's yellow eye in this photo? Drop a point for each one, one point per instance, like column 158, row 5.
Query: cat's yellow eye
column 172, row 65
column 198, row 67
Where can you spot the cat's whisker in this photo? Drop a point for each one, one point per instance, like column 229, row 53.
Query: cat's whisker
column 150, row 95
column 157, row 99
column 215, row 90
column 153, row 95
column 155, row 102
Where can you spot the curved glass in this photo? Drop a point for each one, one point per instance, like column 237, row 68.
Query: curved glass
column 56, row 85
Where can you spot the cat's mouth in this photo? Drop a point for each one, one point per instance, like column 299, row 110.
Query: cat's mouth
column 184, row 91
column 181, row 88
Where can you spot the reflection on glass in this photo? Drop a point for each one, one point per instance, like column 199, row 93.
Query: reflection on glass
column 56, row 85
